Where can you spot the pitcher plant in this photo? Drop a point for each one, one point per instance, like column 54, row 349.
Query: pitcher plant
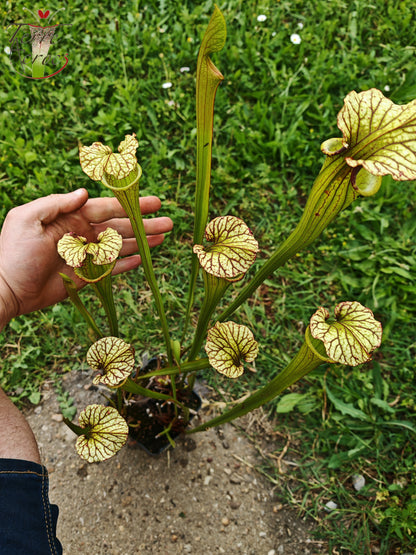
column 377, row 138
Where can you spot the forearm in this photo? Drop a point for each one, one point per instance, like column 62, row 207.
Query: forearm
column 8, row 304
column 16, row 437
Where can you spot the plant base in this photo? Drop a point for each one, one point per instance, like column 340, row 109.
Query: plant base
column 149, row 418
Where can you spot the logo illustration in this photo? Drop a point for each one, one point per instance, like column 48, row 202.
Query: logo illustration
column 34, row 48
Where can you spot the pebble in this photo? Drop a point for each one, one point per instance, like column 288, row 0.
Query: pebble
column 271, row 552
column 225, row 521
column 126, row 500
column 330, row 506
column 57, row 417
column 358, row 482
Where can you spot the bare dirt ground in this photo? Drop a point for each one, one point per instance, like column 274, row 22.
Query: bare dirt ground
column 203, row 497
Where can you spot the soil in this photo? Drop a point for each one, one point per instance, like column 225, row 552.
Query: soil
column 203, row 497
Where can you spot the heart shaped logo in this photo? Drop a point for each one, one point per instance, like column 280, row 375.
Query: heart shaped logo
column 43, row 15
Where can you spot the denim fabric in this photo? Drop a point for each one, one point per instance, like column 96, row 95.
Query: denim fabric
column 27, row 519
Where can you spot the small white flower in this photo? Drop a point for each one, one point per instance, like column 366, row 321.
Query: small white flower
column 184, row 69
column 295, row 38
column 161, row 29
column 387, row 88
column 274, row 34
column 300, row 25
column 171, row 103
column 261, row 17
column 7, row 50
column 167, row 85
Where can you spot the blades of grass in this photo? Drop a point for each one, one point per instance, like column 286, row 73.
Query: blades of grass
column 346, row 408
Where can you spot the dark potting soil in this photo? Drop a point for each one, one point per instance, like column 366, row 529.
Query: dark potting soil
column 148, row 418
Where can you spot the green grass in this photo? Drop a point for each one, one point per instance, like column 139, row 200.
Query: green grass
column 277, row 104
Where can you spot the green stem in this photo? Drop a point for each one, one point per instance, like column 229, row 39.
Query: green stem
column 129, row 198
column 76, row 429
column 310, row 356
column 99, row 276
column 208, row 77
column 214, row 291
column 185, row 368
column 72, row 292
column 331, row 193
column 119, row 400
column 104, row 291
column 132, row 387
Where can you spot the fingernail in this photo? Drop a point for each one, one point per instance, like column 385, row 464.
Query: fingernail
column 79, row 192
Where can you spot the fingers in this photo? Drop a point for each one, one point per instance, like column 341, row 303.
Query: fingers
column 130, row 245
column 47, row 209
column 126, row 264
column 99, row 210
column 153, row 226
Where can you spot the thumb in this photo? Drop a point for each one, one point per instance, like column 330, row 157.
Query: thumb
column 50, row 207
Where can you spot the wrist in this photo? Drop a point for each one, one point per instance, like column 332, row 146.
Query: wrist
column 9, row 307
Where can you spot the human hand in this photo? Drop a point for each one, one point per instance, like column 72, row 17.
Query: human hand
column 29, row 261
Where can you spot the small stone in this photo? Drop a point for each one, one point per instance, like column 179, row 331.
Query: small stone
column 38, row 409
column 225, row 521
column 207, row 480
column 57, row 417
column 126, row 500
column 271, row 552
column 277, row 508
column 262, row 534
column 281, row 549
column 330, row 506
column 225, row 444
column 174, row 538
column 187, row 548
column 358, row 482
column 234, row 505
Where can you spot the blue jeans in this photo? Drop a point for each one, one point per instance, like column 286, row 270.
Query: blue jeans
column 27, row 519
